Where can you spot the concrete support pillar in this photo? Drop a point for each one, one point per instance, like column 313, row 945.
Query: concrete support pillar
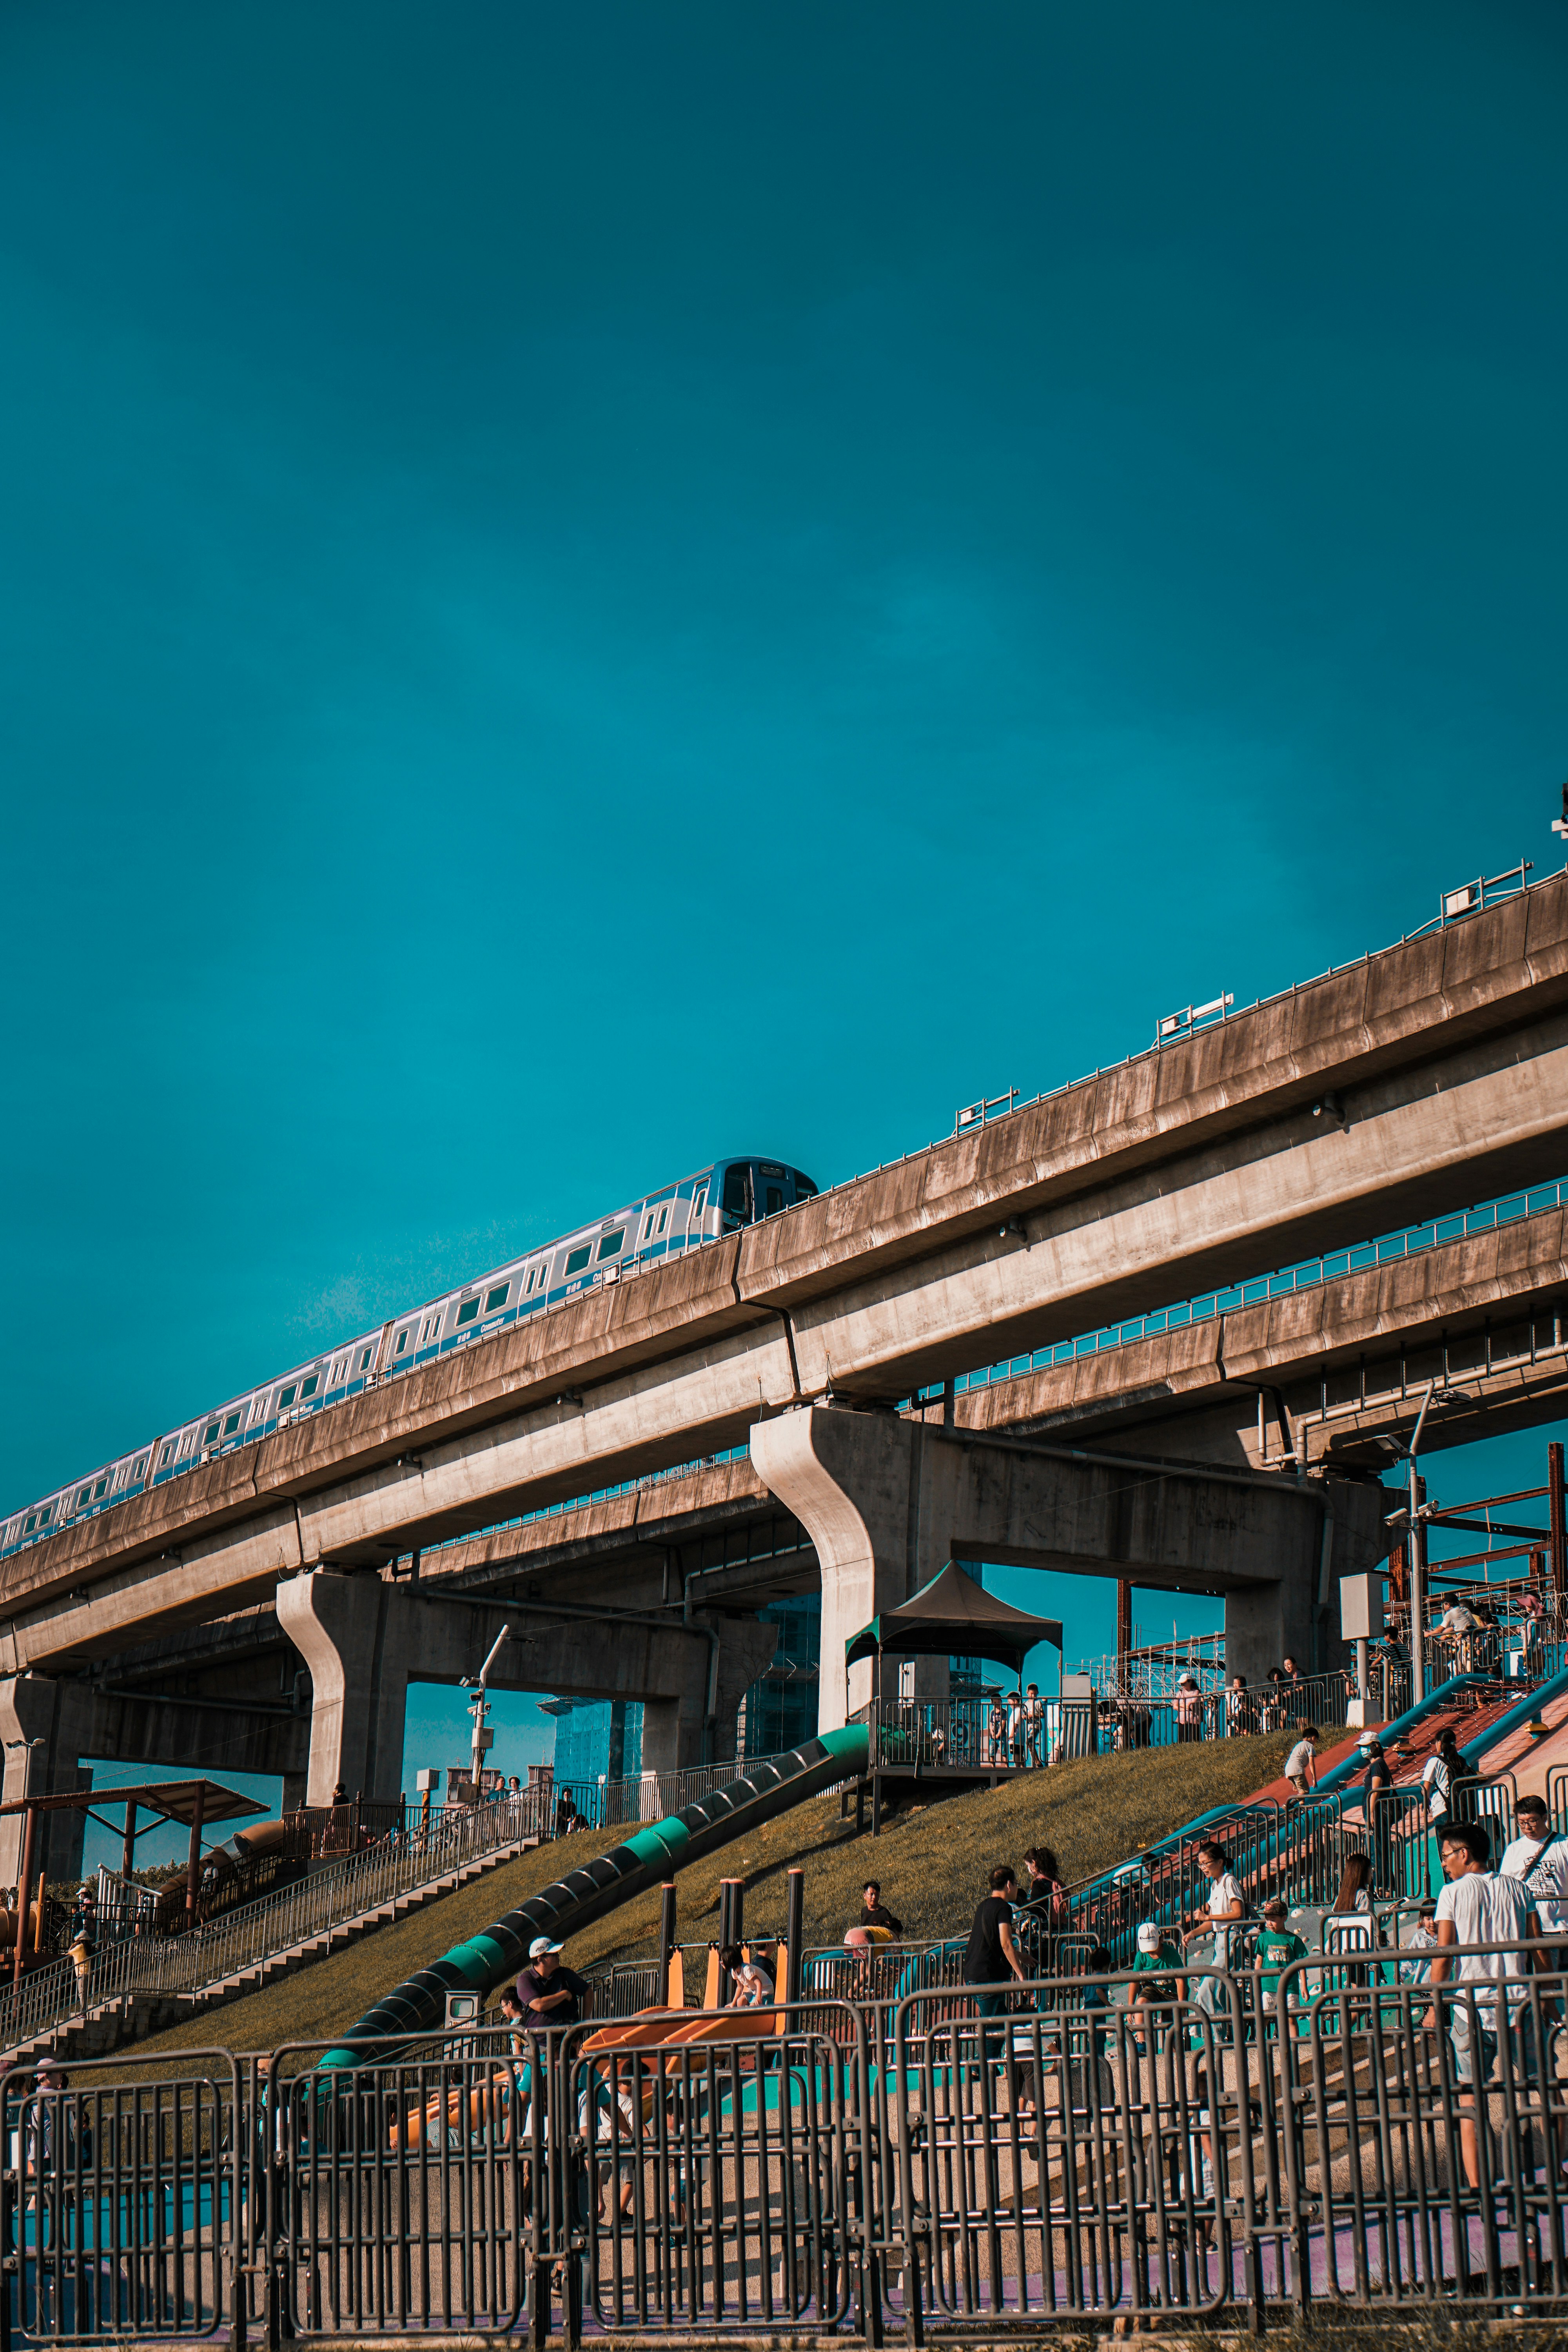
column 357, row 1637
column 888, row 1501
column 677, row 1731
column 877, row 1502
column 364, row 1641
column 43, row 1726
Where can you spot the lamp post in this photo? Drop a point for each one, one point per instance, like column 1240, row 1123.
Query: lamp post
column 479, row 1707
column 1417, row 1566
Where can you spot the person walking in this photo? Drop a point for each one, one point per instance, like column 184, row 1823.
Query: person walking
column 1538, row 1859
column 1302, row 1764
column 1479, row 1906
column 1439, row 1776
column 1379, row 1806
column 1225, row 1905
column 991, row 1958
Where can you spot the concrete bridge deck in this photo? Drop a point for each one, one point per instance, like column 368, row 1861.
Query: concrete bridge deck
column 1446, row 1060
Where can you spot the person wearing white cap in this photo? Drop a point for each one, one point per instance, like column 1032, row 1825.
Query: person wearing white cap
column 550, row 1994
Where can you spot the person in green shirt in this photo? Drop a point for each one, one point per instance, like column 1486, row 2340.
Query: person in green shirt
column 1276, row 1947
column 1159, row 1960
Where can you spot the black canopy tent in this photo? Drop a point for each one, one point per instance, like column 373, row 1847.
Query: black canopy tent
column 952, row 1612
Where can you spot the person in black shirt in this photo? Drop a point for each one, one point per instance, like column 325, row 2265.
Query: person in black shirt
column 550, row 1994
column 992, row 1956
column 874, row 1912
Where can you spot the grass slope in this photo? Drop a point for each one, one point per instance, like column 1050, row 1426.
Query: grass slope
column 932, row 1860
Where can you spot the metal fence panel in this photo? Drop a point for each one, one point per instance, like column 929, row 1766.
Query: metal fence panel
column 121, row 2202
column 418, row 2192
column 720, row 2181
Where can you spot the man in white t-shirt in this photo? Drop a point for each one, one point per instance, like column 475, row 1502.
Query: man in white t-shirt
column 1477, row 1907
column 1538, row 1858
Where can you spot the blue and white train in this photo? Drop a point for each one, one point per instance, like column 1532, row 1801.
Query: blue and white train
column 717, row 1200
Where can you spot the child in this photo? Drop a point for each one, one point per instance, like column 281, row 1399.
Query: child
column 1276, row 1946
column 1302, row 1764
column 1421, row 1942
column 1158, row 1962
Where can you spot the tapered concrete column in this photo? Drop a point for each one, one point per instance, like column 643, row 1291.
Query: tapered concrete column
column 364, row 1641
column 356, row 1635
column 42, row 1724
column 696, row 1725
column 862, row 1486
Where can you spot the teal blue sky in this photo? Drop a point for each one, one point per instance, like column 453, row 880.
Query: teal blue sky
column 582, row 589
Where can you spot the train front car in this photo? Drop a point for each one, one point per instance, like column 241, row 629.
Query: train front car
column 747, row 1190
column 719, row 1199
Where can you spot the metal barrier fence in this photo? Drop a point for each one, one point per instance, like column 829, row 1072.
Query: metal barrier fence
column 1195, row 2141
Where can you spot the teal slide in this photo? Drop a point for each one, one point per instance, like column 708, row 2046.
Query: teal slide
column 654, row 1855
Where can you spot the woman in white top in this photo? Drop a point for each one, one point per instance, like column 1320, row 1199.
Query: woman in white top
column 1438, row 1774
column 1225, row 1901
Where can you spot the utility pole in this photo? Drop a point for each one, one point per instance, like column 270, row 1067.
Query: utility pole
column 479, row 1708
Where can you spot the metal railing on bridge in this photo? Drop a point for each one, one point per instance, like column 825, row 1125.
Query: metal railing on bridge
column 235, row 1941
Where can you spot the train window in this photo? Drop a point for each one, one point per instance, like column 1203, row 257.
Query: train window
column 402, row 1343
column 366, row 1358
column 610, row 1242
column 577, row 1259
column 312, row 1385
column 774, row 1197
column 46, row 1514
column 163, row 1457
column 137, row 1467
column 82, row 1497
column 209, row 1433
column 497, row 1297
column 698, row 1202
column 32, row 1523
column 285, row 1399
column 100, row 1489
column 468, row 1310
column 737, row 1193
column 231, row 1424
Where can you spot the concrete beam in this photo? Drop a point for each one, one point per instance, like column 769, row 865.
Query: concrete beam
column 169, row 1738
column 364, row 1641
column 888, row 1501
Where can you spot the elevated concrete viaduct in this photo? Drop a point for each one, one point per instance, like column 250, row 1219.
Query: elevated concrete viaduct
column 1443, row 1066
column 1398, row 1087
column 1334, row 1373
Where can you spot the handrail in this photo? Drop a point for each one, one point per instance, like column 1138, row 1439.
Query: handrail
column 239, row 1940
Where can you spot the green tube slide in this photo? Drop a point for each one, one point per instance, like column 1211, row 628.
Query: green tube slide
column 654, row 1855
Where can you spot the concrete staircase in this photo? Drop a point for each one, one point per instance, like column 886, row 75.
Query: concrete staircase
column 132, row 2017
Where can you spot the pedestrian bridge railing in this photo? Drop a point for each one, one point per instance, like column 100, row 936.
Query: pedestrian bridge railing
column 51, row 1996
column 1198, row 2143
